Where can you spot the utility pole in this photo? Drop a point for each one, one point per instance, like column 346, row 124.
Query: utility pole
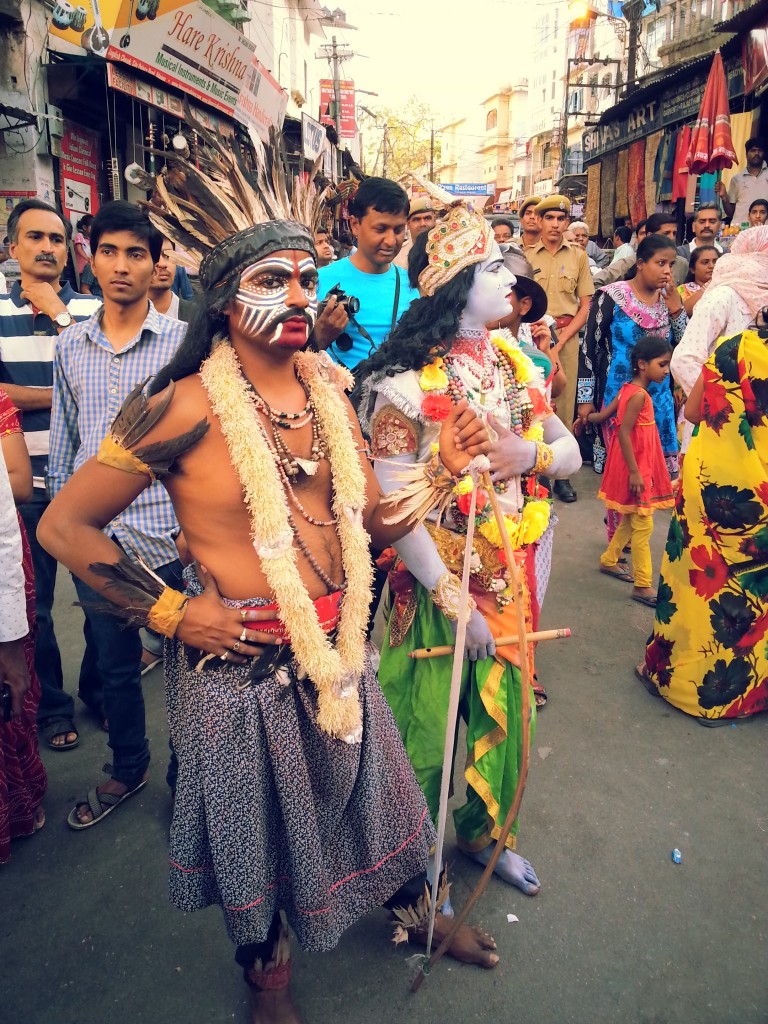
column 385, row 143
column 432, row 153
column 633, row 12
column 335, row 54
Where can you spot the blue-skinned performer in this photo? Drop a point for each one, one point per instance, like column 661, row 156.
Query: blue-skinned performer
column 440, row 354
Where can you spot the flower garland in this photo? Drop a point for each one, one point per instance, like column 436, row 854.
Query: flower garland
column 333, row 670
column 527, row 407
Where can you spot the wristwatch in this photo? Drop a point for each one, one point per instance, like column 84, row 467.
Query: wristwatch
column 63, row 319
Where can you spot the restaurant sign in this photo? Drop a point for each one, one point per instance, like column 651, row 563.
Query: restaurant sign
column 679, row 103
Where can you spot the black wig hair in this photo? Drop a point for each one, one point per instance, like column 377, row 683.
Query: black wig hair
column 429, row 323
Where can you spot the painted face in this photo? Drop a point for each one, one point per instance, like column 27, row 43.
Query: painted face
column 489, row 297
column 277, row 299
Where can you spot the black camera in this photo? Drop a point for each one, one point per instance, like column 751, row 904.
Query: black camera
column 349, row 302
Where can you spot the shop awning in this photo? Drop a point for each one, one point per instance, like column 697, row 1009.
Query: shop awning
column 14, row 118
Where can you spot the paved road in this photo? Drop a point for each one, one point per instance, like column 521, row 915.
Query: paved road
column 618, row 933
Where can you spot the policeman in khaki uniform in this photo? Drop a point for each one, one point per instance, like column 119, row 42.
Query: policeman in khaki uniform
column 421, row 218
column 530, row 222
column 563, row 272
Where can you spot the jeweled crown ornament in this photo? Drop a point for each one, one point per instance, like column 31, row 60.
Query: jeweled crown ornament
column 461, row 238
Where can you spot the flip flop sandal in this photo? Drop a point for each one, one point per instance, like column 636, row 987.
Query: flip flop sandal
column 59, row 727
column 540, row 696
column 650, row 602
column 715, row 723
column 100, row 804
column 647, row 683
column 624, row 574
column 153, row 660
column 39, row 818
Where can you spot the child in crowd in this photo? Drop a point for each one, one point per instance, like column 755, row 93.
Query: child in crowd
column 636, row 480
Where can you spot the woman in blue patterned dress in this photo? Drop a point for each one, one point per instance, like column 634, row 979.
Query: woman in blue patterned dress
column 620, row 316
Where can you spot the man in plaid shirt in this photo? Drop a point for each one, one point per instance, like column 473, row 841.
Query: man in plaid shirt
column 97, row 364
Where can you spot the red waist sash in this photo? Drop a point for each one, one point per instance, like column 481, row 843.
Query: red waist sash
column 327, row 608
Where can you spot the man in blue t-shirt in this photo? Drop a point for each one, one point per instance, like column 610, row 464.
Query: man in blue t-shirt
column 378, row 214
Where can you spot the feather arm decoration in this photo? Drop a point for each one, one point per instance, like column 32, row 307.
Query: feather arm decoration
column 132, row 586
column 136, row 418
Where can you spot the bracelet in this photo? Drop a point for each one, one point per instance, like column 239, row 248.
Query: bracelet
column 167, row 612
column 544, row 458
column 446, row 595
column 437, row 475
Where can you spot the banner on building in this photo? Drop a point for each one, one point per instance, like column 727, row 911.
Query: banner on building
column 186, row 45
column 465, row 188
column 313, row 138
column 123, row 81
column 348, row 125
column 79, row 170
column 261, row 102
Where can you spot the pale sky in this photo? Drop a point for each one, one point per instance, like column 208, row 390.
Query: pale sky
column 442, row 52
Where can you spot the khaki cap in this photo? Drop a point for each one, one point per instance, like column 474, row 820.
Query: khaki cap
column 556, row 202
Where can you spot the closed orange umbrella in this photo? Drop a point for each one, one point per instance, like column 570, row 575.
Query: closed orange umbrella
column 711, row 147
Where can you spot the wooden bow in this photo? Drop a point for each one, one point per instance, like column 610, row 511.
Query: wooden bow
column 477, row 892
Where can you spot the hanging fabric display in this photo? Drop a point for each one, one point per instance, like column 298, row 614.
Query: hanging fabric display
column 636, row 182
column 592, row 210
column 622, row 165
column 608, row 194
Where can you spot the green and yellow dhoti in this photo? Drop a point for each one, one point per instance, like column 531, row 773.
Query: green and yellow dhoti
column 491, row 704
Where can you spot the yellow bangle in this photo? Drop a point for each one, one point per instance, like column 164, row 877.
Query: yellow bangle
column 167, row 612
column 544, row 458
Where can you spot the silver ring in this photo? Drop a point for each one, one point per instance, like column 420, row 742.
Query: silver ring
column 224, row 656
column 242, row 614
column 243, row 636
column 236, row 646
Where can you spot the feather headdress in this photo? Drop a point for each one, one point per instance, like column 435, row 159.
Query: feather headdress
column 222, row 188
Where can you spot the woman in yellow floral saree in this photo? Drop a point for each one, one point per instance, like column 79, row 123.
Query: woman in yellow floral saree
column 709, row 651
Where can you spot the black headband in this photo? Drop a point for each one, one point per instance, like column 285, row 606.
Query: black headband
column 247, row 247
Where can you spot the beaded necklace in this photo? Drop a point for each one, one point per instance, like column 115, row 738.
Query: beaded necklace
column 288, row 465
column 502, row 388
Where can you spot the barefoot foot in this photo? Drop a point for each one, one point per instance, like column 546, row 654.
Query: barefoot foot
column 273, row 1007
column 470, row 944
column 511, row 868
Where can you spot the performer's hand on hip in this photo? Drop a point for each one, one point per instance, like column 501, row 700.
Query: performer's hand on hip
column 510, row 455
column 212, row 626
column 463, row 435
column 479, row 643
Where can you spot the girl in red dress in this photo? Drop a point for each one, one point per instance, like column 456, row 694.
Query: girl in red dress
column 636, row 480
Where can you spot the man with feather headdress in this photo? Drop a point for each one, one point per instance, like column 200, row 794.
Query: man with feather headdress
column 295, row 797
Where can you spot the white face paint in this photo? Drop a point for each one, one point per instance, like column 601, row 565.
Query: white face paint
column 488, row 298
column 261, row 302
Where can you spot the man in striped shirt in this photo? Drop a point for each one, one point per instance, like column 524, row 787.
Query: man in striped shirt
column 32, row 315
column 97, row 364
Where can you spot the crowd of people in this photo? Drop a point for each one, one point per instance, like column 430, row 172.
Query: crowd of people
column 192, row 459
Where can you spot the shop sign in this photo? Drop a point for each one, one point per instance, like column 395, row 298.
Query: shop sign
column 8, row 199
column 123, row 81
column 461, row 188
column 348, row 124
column 261, row 102
column 79, row 169
column 83, row 25
column 679, row 103
column 186, row 45
column 544, row 188
column 313, row 137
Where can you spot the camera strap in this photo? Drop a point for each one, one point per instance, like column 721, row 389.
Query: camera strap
column 395, row 305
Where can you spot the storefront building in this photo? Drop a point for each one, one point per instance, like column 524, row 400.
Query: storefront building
column 635, row 157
